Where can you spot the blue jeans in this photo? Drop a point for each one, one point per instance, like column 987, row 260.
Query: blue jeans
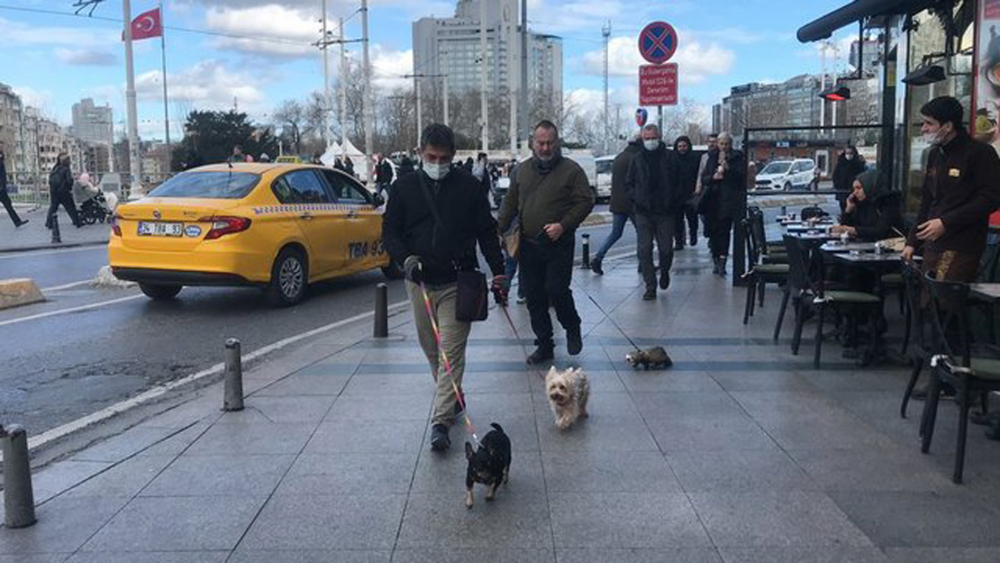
column 617, row 229
column 510, row 268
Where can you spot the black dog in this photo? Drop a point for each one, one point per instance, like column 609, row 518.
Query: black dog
column 489, row 465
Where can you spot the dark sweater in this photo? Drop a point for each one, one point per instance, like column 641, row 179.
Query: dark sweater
column 620, row 202
column 962, row 188
column 653, row 182
column 561, row 196
column 876, row 219
column 409, row 228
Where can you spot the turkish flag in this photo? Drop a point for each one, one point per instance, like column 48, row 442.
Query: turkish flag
column 146, row 25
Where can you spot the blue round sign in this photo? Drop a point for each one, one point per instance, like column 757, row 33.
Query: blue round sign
column 658, row 42
column 641, row 115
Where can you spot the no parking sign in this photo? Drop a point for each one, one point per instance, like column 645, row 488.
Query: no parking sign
column 658, row 42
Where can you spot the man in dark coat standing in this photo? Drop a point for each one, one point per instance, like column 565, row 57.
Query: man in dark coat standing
column 621, row 205
column 383, row 174
column 653, row 185
column 849, row 165
column 689, row 164
column 4, row 198
column 61, row 191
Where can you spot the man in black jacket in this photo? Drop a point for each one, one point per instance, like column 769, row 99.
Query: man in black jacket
column 61, row 191
column 432, row 246
column 383, row 174
column 653, row 185
column 4, row 198
column 688, row 165
column 621, row 205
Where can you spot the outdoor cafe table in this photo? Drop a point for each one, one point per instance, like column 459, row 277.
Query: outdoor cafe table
column 835, row 247
column 989, row 292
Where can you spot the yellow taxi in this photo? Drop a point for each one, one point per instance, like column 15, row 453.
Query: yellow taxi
column 276, row 226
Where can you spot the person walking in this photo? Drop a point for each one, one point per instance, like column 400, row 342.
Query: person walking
column 653, row 185
column 713, row 147
column 724, row 184
column 481, row 172
column 551, row 196
column 432, row 224
column 348, row 165
column 316, row 158
column 849, row 165
column 620, row 205
column 689, row 164
column 383, row 174
column 61, row 191
column 5, row 197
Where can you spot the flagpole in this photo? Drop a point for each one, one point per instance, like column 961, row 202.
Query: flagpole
column 166, row 111
column 135, row 180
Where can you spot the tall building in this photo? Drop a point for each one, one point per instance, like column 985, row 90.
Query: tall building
column 451, row 46
column 95, row 126
column 793, row 103
column 10, row 125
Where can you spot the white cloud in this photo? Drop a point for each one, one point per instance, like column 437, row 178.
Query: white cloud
column 284, row 32
column 557, row 16
column 388, row 67
column 696, row 60
column 86, row 57
column 207, row 85
column 17, row 33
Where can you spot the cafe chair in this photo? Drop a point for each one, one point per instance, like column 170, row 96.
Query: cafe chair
column 770, row 252
column 814, row 298
column 956, row 362
column 813, row 212
column 914, row 327
column 758, row 274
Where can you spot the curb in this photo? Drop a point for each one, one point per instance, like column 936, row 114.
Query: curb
column 19, row 292
column 50, row 246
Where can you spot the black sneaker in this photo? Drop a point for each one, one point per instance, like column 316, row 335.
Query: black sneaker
column 595, row 266
column 715, row 266
column 439, row 438
column 693, row 241
column 574, row 341
column 650, row 294
column 664, row 279
column 22, row 223
column 541, row 354
column 679, row 244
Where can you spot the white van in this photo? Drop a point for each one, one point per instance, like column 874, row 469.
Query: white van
column 603, row 164
column 786, row 175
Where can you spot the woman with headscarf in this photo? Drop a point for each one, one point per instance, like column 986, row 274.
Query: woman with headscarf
column 873, row 211
column 724, row 182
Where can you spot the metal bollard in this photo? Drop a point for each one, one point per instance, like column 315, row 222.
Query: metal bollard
column 585, row 260
column 56, row 238
column 381, row 311
column 18, row 497
column 233, row 398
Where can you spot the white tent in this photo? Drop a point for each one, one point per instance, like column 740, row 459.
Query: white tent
column 335, row 150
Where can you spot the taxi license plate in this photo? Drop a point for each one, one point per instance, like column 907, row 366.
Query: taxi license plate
column 160, row 229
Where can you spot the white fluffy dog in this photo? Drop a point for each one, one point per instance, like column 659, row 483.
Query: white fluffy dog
column 568, row 393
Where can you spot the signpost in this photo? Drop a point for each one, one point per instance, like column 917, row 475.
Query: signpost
column 658, row 81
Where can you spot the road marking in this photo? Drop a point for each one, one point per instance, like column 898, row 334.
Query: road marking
column 32, row 253
column 67, row 286
column 35, row 442
column 70, row 310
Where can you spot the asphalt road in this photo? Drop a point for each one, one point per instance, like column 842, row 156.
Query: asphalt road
column 61, row 363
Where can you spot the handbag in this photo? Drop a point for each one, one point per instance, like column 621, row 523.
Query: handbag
column 512, row 238
column 472, row 295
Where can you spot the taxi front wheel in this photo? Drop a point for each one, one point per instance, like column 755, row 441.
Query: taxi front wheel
column 289, row 277
column 160, row 292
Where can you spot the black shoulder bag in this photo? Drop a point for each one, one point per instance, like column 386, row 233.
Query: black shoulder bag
column 472, row 300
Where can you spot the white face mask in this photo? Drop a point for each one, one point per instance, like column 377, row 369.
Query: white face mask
column 934, row 139
column 651, row 144
column 849, row 156
column 436, row 172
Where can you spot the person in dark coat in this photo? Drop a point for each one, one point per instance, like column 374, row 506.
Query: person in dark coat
column 873, row 210
column 61, row 191
column 5, row 198
column 383, row 174
column 724, row 182
column 348, row 165
column 405, row 167
column 620, row 205
column 849, row 165
column 688, row 164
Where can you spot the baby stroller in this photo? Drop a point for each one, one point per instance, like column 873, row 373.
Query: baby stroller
column 94, row 204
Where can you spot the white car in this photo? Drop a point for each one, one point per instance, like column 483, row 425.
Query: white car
column 786, row 175
column 604, row 177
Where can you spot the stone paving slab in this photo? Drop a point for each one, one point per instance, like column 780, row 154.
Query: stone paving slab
column 740, row 453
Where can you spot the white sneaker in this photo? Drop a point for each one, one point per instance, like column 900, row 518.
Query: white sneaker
column 520, row 299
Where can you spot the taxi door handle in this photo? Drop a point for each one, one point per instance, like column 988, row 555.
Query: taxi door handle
column 307, row 216
column 352, row 213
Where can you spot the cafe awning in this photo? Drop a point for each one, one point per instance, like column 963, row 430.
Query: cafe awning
column 857, row 11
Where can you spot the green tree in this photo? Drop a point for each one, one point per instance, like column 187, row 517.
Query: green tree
column 209, row 137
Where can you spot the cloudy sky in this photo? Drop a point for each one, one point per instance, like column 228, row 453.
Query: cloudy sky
column 260, row 51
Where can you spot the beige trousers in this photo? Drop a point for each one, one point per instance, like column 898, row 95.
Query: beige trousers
column 454, row 335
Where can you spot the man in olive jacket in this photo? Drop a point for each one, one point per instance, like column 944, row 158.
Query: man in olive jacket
column 552, row 196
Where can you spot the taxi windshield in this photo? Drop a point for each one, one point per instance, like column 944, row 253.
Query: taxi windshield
column 209, row 185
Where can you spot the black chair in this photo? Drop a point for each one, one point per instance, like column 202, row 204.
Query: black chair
column 758, row 275
column 915, row 291
column 813, row 212
column 813, row 297
column 970, row 373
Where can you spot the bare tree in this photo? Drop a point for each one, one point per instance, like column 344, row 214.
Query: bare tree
column 290, row 118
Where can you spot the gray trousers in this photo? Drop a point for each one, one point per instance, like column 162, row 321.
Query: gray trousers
column 660, row 227
column 454, row 336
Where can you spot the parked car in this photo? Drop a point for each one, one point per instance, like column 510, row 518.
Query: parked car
column 604, row 178
column 786, row 175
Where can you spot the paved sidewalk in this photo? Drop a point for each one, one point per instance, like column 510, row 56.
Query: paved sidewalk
column 34, row 235
column 740, row 453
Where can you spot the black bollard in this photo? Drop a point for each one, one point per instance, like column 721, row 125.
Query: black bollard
column 18, row 496
column 585, row 260
column 233, row 397
column 54, row 220
column 381, row 311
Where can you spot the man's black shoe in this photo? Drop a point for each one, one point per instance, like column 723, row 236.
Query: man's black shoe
column 693, row 241
column 439, row 438
column 678, row 244
column 650, row 294
column 664, row 279
column 22, row 223
column 541, row 354
column 947, row 392
column 574, row 341
column 595, row 266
